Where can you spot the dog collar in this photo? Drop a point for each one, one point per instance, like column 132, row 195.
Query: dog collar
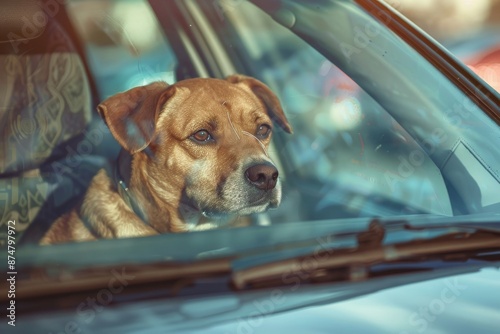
column 122, row 176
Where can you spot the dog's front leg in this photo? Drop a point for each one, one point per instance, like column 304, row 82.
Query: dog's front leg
column 106, row 213
column 131, row 226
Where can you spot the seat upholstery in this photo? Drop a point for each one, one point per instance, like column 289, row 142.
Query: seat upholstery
column 45, row 101
column 45, row 108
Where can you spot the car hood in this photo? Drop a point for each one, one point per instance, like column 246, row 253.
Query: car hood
column 453, row 300
column 467, row 303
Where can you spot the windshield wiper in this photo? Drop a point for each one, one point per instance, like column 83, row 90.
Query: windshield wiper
column 337, row 256
column 453, row 243
column 44, row 283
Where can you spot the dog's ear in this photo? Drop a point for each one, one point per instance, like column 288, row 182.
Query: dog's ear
column 265, row 94
column 132, row 115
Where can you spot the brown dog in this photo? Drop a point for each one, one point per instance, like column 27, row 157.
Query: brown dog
column 194, row 149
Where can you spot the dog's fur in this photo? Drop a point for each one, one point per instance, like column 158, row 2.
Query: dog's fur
column 174, row 179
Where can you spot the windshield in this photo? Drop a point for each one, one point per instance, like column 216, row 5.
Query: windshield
column 378, row 130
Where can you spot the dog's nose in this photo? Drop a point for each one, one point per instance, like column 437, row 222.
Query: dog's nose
column 263, row 176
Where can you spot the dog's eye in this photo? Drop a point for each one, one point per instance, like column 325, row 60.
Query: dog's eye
column 202, row 136
column 263, row 131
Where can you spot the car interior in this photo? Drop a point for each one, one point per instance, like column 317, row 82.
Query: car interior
column 47, row 103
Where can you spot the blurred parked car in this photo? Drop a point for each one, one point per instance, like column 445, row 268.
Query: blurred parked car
column 390, row 220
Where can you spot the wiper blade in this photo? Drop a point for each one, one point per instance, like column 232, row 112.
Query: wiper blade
column 43, row 284
column 456, row 242
column 339, row 250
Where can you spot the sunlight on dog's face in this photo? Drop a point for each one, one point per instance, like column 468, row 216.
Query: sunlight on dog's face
column 218, row 139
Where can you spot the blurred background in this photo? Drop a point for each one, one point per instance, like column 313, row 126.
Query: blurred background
column 468, row 28
column 450, row 19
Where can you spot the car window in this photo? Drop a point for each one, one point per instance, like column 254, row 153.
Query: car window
column 426, row 136
column 124, row 44
column 346, row 147
column 390, row 140
column 365, row 162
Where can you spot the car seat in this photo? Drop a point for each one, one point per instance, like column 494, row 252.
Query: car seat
column 46, row 107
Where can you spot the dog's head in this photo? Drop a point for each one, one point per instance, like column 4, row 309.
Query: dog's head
column 205, row 141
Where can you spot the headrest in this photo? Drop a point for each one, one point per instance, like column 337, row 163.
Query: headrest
column 22, row 20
